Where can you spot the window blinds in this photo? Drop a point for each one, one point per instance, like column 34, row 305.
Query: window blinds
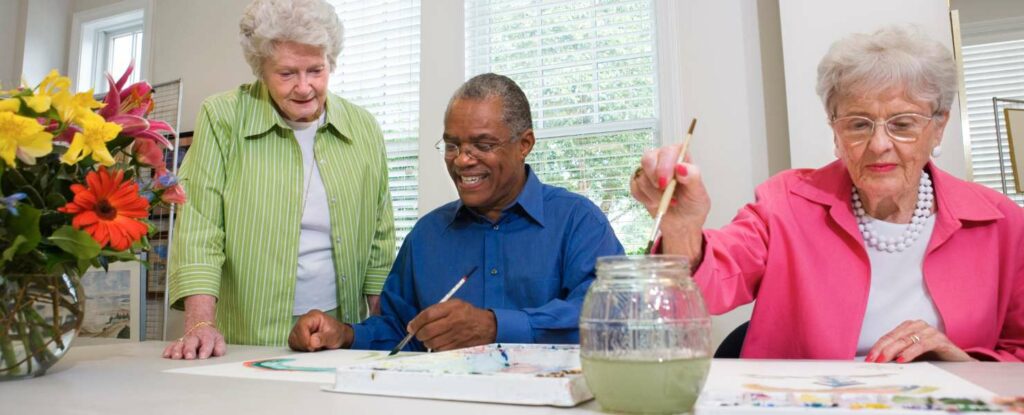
column 588, row 68
column 379, row 69
column 992, row 70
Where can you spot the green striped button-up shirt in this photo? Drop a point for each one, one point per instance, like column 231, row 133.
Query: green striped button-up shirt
column 237, row 237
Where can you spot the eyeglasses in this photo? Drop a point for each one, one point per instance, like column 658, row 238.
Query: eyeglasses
column 476, row 149
column 904, row 128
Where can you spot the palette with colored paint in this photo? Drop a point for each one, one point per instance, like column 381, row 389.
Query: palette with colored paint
column 527, row 374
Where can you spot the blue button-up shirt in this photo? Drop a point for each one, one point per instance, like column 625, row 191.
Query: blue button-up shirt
column 534, row 266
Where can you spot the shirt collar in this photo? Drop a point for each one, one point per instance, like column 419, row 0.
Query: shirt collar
column 530, row 201
column 831, row 185
column 256, row 101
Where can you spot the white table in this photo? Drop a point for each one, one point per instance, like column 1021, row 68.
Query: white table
column 128, row 378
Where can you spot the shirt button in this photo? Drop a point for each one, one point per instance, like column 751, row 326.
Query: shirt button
column 496, row 227
column 334, row 200
column 322, row 161
column 494, row 271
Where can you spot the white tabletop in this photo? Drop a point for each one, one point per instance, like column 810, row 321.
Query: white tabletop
column 128, row 378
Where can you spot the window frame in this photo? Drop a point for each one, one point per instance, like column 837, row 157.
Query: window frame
column 89, row 31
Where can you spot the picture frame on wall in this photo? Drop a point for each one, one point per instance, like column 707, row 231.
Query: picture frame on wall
column 112, row 301
column 1015, row 126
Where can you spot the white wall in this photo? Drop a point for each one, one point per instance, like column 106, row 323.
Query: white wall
column 809, row 27
column 197, row 41
column 47, row 24
column 10, row 37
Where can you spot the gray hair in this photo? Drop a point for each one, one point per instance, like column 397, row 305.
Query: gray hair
column 265, row 23
column 515, row 106
column 893, row 56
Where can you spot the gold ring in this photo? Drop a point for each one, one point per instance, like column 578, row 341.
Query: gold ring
column 639, row 171
column 914, row 339
column 180, row 339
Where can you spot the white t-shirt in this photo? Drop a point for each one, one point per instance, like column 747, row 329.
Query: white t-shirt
column 316, row 286
column 898, row 292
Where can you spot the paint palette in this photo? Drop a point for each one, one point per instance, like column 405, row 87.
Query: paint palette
column 525, row 374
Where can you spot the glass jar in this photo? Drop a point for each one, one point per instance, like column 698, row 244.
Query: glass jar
column 645, row 335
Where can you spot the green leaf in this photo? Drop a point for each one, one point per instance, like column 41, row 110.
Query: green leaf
column 12, row 250
column 125, row 255
column 55, row 200
column 76, row 242
column 54, row 259
column 26, row 224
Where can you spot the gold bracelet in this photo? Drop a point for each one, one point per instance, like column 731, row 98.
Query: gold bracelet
column 203, row 323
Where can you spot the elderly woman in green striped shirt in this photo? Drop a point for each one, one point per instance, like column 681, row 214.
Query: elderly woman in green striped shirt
column 289, row 209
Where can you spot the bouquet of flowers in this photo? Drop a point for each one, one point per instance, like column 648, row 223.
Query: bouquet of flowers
column 78, row 178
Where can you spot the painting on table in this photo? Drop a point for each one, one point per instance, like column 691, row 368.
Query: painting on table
column 112, row 303
column 526, row 374
column 830, row 387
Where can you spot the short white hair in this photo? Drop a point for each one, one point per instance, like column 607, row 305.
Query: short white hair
column 265, row 23
column 894, row 56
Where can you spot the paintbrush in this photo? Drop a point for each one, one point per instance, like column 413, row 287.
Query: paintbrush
column 443, row 299
column 670, row 189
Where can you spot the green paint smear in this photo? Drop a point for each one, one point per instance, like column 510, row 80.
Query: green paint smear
column 650, row 387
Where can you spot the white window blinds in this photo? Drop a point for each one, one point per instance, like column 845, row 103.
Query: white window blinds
column 993, row 70
column 588, row 68
column 379, row 69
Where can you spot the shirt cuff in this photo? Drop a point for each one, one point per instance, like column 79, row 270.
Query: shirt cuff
column 513, row 326
column 374, row 282
column 192, row 279
column 362, row 337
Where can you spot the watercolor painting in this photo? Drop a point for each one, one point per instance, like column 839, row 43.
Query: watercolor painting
column 833, row 387
column 112, row 301
column 525, row 374
column 316, row 367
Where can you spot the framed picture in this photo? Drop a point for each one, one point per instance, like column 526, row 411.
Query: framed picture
column 1015, row 136
column 112, row 301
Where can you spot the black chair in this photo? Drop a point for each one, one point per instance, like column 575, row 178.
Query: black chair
column 733, row 343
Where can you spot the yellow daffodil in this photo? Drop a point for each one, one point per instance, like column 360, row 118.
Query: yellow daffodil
column 10, row 104
column 96, row 132
column 76, row 108
column 52, row 86
column 22, row 137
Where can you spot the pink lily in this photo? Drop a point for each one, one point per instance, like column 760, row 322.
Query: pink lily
column 127, row 107
column 149, row 153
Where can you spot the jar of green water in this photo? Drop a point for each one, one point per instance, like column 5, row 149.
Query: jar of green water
column 645, row 335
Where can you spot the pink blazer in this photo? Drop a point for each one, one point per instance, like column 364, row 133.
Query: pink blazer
column 798, row 252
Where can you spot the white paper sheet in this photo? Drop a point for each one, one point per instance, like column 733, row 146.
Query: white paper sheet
column 316, row 367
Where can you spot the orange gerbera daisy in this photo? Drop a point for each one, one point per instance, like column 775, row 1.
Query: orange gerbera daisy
column 109, row 209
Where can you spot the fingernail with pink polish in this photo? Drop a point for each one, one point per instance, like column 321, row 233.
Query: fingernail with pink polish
column 900, row 359
column 681, row 170
column 662, row 182
column 673, row 202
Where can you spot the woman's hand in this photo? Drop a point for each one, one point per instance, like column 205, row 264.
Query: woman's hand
column 915, row 340
column 683, row 223
column 201, row 339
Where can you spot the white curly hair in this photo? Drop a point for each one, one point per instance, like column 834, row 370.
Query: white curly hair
column 894, row 56
column 265, row 23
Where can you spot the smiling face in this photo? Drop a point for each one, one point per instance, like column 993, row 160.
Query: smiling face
column 491, row 182
column 297, row 76
column 881, row 168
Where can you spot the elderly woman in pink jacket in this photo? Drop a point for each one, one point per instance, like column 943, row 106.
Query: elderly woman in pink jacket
column 879, row 254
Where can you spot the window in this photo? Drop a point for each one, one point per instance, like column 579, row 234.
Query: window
column 588, row 68
column 107, row 40
column 993, row 68
column 379, row 70
column 121, row 47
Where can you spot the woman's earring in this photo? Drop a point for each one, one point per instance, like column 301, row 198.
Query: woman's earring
column 936, row 151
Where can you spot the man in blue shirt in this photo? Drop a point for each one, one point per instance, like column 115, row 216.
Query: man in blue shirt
column 533, row 246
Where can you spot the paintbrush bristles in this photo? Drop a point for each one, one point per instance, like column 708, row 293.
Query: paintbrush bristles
column 670, row 188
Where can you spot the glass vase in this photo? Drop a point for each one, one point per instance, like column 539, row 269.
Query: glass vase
column 40, row 314
column 645, row 335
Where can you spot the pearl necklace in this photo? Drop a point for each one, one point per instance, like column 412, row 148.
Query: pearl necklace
column 925, row 201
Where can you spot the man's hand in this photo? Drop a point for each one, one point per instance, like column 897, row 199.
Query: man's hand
column 318, row 331
column 454, row 324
